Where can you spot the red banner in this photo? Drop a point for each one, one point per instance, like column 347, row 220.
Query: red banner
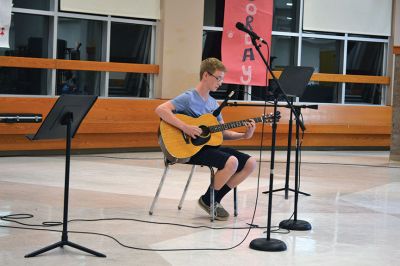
column 244, row 64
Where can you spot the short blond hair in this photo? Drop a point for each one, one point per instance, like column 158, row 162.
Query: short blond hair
column 211, row 65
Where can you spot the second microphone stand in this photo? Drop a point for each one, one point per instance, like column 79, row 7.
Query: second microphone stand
column 296, row 224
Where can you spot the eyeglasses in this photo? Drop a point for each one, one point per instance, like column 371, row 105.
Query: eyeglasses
column 219, row 79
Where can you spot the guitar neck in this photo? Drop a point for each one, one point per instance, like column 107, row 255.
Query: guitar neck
column 235, row 124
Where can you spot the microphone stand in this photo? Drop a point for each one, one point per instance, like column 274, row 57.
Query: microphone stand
column 295, row 224
column 223, row 104
column 298, row 225
column 268, row 243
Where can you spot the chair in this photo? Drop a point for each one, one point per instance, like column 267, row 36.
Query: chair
column 212, row 174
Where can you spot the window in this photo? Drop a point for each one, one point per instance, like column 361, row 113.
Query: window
column 29, row 36
column 283, row 52
column 23, row 81
column 214, row 13
column 322, row 92
column 40, row 30
column 78, row 82
column 130, row 43
column 327, row 52
column 322, row 54
column 286, row 15
column 79, row 39
column 36, row 4
column 364, row 58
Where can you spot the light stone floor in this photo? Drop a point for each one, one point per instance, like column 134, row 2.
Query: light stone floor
column 354, row 211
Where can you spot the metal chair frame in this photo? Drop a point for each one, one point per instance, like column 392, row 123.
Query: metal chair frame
column 167, row 164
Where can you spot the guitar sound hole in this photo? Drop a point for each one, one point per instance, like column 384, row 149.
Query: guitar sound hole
column 203, row 138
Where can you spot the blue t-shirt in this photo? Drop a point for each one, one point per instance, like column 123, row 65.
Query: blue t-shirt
column 192, row 104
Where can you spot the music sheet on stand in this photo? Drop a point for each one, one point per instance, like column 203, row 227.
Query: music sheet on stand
column 5, row 22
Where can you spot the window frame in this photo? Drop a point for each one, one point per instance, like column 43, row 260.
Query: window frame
column 346, row 37
column 54, row 14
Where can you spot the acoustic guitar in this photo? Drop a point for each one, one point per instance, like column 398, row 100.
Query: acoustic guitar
column 177, row 146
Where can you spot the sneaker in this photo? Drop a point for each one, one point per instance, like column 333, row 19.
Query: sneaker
column 220, row 213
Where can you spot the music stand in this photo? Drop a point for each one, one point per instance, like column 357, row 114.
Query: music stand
column 63, row 121
column 293, row 81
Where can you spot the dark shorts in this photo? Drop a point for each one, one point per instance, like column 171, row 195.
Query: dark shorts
column 217, row 157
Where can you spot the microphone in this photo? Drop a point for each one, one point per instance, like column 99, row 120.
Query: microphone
column 223, row 104
column 252, row 34
column 312, row 106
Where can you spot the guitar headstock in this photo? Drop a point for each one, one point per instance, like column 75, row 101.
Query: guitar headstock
column 269, row 118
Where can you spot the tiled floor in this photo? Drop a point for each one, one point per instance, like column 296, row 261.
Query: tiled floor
column 354, row 211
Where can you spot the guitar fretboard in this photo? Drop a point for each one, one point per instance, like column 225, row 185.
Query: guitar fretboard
column 235, row 124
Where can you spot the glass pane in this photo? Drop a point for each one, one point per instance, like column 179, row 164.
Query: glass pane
column 322, row 92
column 130, row 43
column 261, row 93
column 36, row 4
column 129, row 85
column 79, row 39
column 364, row 58
column 322, row 54
column 77, row 82
column 212, row 44
column 29, row 36
column 283, row 52
column 24, row 81
column 363, row 93
column 286, row 15
column 214, row 13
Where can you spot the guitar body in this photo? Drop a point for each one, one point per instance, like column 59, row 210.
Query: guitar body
column 176, row 144
column 178, row 147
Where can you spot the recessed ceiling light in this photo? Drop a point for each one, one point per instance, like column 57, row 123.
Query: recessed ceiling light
column 289, row 4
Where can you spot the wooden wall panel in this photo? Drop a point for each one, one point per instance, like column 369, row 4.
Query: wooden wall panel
column 132, row 123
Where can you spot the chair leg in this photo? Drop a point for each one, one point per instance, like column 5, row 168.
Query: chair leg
column 212, row 194
column 159, row 188
column 186, row 187
column 235, row 213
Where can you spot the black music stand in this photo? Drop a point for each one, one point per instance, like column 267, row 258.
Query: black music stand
column 62, row 122
column 293, row 81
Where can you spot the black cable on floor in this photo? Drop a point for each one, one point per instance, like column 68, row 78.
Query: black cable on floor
column 14, row 217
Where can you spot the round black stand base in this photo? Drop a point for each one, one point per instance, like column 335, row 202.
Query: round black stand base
column 297, row 225
column 264, row 244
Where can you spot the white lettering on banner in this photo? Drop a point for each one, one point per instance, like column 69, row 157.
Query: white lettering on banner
column 251, row 9
column 245, row 78
column 247, row 73
column 247, row 39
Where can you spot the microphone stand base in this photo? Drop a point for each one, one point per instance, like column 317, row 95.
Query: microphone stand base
column 296, row 225
column 264, row 244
